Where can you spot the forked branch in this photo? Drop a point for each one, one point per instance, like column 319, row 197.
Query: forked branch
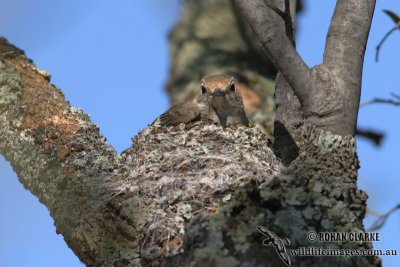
column 329, row 93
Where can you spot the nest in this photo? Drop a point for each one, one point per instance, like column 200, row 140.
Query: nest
column 182, row 171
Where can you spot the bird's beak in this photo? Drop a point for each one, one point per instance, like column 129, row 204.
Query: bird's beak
column 218, row 92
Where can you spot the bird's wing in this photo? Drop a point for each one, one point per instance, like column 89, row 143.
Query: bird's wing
column 242, row 113
column 183, row 112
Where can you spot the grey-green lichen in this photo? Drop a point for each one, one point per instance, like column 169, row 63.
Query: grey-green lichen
column 61, row 157
column 297, row 200
column 187, row 170
column 10, row 83
column 213, row 255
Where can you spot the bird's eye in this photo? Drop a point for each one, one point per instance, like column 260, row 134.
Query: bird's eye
column 232, row 87
column 203, row 89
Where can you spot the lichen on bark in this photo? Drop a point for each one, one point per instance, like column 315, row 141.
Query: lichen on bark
column 309, row 195
column 190, row 195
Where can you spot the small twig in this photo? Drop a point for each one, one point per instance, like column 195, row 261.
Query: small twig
column 380, row 222
column 182, row 164
column 378, row 47
column 216, row 158
column 375, row 137
column 382, row 101
column 395, row 96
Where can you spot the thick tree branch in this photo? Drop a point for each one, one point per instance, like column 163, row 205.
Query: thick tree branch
column 267, row 24
column 329, row 93
column 348, row 35
column 344, row 53
column 61, row 157
column 270, row 30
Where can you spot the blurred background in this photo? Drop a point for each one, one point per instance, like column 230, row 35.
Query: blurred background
column 111, row 60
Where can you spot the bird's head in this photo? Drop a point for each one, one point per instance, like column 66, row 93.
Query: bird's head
column 218, row 86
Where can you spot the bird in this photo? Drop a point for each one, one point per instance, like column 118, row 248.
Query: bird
column 219, row 102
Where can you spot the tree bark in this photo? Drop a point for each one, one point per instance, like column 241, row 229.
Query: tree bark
column 193, row 195
column 61, row 157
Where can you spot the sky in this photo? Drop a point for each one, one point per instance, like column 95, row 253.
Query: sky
column 111, row 59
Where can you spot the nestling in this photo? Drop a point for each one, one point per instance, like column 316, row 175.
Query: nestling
column 219, row 102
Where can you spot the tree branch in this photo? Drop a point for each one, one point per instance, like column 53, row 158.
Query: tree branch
column 396, row 19
column 270, row 30
column 382, row 218
column 61, row 157
column 347, row 37
column 344, row 53
column 378, row 47
column 373, row 136
column 377, row 100
column 329, row 94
